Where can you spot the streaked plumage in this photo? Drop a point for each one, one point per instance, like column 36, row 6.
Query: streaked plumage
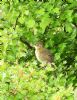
column 42, row 54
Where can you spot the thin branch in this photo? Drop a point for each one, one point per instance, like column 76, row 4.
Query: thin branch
column 14, row 27
column 22, row 39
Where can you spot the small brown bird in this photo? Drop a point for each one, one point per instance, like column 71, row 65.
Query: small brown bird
column 42, row 54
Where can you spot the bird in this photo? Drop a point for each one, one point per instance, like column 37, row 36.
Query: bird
column 42, row 54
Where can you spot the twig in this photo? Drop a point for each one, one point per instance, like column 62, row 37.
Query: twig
column 16, row 21
column 22, row 39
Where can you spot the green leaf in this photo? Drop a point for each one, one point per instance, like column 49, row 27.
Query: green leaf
column 57, row 56
column 56, row 10
column 22, row 19
column 70, row 1
column 44, row 22
column 40, row 11
column 31, row 23
column 68, row 27
column 62, row 47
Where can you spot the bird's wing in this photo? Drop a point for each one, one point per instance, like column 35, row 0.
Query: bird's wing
column 46, row 54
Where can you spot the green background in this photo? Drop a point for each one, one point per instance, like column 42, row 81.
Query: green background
column 54, row 22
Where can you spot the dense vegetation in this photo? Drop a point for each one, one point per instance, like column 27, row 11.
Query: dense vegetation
column 54, row 22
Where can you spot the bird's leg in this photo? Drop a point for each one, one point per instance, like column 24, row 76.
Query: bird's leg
column 46, row 65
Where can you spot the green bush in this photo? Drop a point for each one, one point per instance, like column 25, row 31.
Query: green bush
column 54, row 22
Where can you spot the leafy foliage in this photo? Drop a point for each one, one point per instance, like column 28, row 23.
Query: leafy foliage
column 54, row 22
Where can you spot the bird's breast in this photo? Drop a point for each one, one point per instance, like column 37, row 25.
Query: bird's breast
column 37, row 53
column 42, row 55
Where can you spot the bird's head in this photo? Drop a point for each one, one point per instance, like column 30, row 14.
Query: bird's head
column 38, row 45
